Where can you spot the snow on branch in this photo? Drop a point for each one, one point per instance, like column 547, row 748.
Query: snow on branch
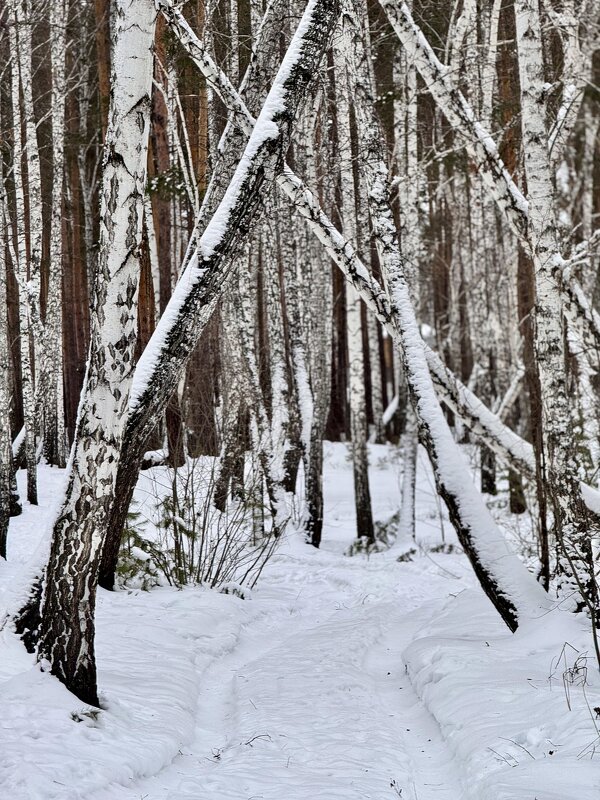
column 479, row 141
column 201, row 284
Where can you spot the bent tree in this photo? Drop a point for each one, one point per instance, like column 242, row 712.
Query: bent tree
column 61, row 619
column 532, row 217
column 510, row 587
column 183, row 324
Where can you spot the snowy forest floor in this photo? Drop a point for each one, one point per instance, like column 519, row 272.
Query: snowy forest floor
column 340, row 678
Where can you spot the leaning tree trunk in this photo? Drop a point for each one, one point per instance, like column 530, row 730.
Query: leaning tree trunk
column 480, row 144
column 65, row 628
column 503, row 577
column 208, row 265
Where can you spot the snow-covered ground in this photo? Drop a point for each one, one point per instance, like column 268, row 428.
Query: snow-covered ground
column 340, row 678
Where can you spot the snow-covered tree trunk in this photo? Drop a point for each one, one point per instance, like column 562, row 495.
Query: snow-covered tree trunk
column 512, row 590
column 574, row 525
column 575, row 23
column 5, row 438
column 234, row 389
column 21, row 268
column 477, row 260
column 377, row 430
column 409, row 450
column 478, row 140
column 268, row 446
column 209, row 259
column 24, row 10
column 65, row 627
column 459, row 113
column 407, row 147
column 280, row 421
column 356, row 363
column 313, row 276
column 54, row 425
column 298, row 354
column 286, row 246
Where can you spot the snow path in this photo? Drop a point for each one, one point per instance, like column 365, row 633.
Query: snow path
column 314, row 700
column 338, row 679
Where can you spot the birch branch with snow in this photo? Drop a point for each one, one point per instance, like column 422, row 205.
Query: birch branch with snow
column 479, row 141
column 200, row 286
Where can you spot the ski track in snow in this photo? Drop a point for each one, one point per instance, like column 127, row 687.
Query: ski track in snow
column 338, row 679
column 314, row 704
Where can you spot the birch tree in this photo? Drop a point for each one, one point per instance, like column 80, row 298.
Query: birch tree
column 20, row 253
column 356, row 363
column 61, row 621
column 65, row 627
column 54, row 425
column 5, row 438
column 199, row 288
column 575, row 527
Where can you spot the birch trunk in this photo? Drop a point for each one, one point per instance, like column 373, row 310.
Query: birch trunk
column 65, row 627
column 312, row 274
column 24, row 17
column 280, row 422
column 21, row 267
column 479, row 141
column 54, row 426
column 356, row 363
column 233, row 391
column 407, row 145
column 575, row 527
column 209, row 255
column 5, row 438
column 503, row 577
column 264, row 431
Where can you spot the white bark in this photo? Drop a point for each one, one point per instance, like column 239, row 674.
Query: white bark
column 23, row 16
column 504, row 578
column 197, row 290
column 356, row 364
column 5, row 440
column 280, row 394
column 407, row 145
column 573, row 526
column 21, row 268
column 460, row 114
column 577, row 51
column 54, row 426
column 66, row 629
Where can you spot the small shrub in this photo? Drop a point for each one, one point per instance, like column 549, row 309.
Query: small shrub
column 187, row 540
